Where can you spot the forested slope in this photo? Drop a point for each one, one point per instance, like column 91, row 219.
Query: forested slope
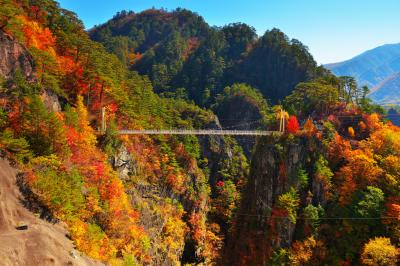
column 182, row 54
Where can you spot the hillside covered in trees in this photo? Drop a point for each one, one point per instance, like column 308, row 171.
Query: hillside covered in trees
column 183, row 55
column 325, row 192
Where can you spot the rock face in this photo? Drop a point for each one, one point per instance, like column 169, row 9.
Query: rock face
column 123, row 162
column 50, row 100
column 14, row 56
column 214, row 149
column 224, row 156
column 273, row 172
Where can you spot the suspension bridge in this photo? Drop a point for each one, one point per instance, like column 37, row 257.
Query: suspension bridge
column 200, row 132
column 224, row 132
column 282, row 116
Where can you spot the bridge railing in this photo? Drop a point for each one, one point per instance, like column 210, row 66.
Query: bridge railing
column 282, row 116
column 199, row 132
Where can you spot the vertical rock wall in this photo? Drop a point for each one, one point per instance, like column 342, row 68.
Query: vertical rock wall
column 273, row 172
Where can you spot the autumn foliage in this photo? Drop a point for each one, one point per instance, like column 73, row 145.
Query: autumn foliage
column 67, row 164
column 292, row 124
column 380, row 251
column 148, row 200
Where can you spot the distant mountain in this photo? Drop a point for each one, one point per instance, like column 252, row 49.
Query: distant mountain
column 388, row 91
column 378, row 68
column 371, row 67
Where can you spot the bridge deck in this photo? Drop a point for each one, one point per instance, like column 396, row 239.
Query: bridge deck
column 199, row 132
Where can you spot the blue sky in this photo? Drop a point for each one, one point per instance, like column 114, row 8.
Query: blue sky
column 334, row 30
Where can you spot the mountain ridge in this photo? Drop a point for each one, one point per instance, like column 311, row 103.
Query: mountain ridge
column 330, row 65
column 384, row 92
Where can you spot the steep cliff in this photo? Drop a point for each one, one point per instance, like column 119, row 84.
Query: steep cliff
column 14, row 56
column 259, row 226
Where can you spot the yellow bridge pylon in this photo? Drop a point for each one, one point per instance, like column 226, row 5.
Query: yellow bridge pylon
column 282, row 116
